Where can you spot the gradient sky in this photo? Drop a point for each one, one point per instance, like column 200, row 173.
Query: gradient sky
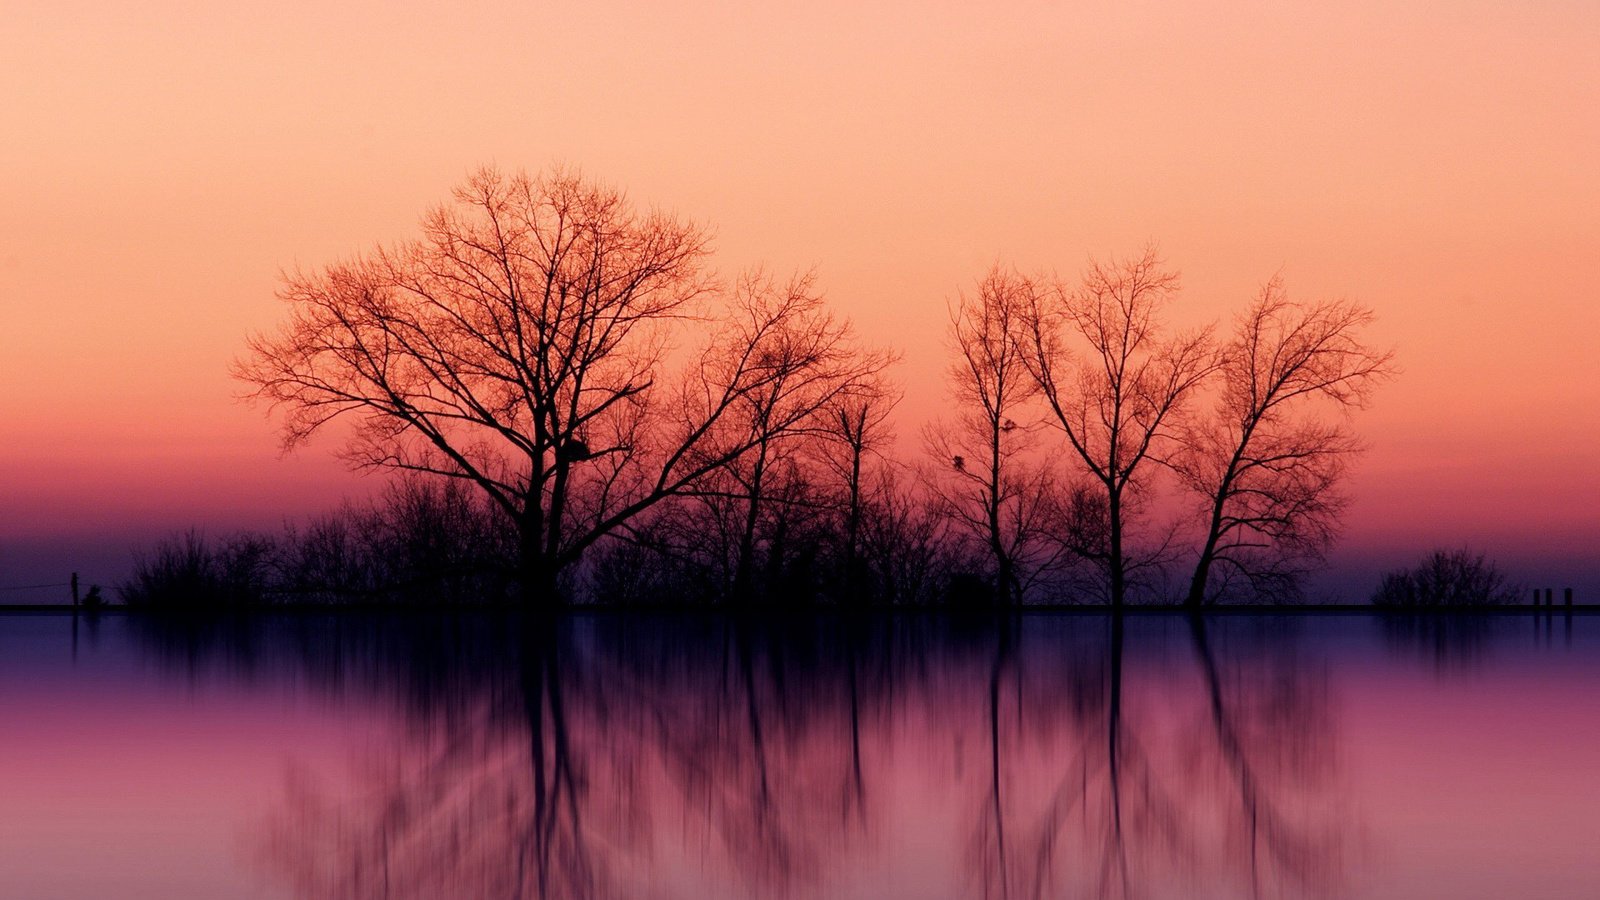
column 161, row 163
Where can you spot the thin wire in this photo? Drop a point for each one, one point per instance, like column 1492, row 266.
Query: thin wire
column 29, row 587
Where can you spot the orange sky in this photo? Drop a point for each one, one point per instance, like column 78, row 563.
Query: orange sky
column 161, row 163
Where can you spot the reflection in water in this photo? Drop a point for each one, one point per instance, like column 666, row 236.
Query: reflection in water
column 1458, row 640
column 1163, row 783
column 606, row 756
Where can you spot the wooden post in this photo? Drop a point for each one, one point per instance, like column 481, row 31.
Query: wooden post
column 74, row 588
column 1568, row 593
column 1549, row 596
column 1535, row 596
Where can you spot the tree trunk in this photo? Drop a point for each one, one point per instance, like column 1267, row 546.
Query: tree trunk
column 1119, row 587
column 1208, row 555
column 1004, row 570
column 744, row 565
column 852, row 564
column 536, row 570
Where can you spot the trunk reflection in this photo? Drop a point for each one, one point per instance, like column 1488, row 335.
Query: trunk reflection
column 601, row 756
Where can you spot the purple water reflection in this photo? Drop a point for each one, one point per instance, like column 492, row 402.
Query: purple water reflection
column 894, row 756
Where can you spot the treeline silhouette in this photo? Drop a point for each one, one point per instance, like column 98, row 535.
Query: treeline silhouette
column 425, row 541
column 617, row 423
column 419, row 542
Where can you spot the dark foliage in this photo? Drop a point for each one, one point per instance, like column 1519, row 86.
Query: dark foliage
column 190, row 571
column 584, row 413
column 422, row 541
column 1446, row 578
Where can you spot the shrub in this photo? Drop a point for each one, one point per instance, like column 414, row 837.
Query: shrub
column 422, row 541
column 189, row 571
column 1446, row 578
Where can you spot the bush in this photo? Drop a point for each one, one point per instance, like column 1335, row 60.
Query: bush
column 421, row 542
column 191, row 572
column 1447, row 578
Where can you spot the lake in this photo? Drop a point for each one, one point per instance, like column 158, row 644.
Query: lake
column 909, row 755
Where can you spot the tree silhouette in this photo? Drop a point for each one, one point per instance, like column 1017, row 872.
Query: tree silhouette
column 521, row 345
column 855, row 429
column 1114, row 383
column 1266, row 468
column 990, row 488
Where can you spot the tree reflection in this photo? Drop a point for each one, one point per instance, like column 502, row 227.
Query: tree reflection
column 1219, row 780
column 719, row 756
column 1451, row 640
column 1273, row 737
column 491, row 799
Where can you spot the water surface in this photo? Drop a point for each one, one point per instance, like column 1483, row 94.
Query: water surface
column 916, row 756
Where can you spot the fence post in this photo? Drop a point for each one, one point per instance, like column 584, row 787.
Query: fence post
column 74, row 589
column 1568, row 593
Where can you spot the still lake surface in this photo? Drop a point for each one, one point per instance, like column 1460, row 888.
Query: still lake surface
column 914, row 756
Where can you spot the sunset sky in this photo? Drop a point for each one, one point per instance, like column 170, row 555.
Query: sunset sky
column 163, row 162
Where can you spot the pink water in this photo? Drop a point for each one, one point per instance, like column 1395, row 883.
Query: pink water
column 910, row 756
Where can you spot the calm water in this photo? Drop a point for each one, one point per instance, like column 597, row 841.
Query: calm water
column 911, row 756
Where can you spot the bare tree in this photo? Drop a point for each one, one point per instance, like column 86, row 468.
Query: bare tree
column 1265, row 465
column 990, row 487
column 1114, row 383
column 903, row 541
column 521, row 345
column 809, row 365
column 857, row 428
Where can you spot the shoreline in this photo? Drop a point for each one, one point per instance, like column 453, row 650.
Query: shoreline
column 681, row 609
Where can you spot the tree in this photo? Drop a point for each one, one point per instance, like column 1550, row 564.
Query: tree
column 1266, row 469
column 988, row 485
column 1114, row 383
column 521, row 345
column 815, row 369
column 855, row 427
column 763, row 505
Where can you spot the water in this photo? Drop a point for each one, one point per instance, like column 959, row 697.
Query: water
column 913, row 756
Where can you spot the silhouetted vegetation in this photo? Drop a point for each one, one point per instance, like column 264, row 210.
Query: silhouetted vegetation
column 1447, row 578
column 190, row 571
column 421, row 541
column 1117, row 384
column 521, row 346
column 612, row 422
column 1267, row 474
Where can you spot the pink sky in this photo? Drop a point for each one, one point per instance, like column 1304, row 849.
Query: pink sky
column 162, row 163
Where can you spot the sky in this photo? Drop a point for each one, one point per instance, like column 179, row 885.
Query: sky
column 163, row 163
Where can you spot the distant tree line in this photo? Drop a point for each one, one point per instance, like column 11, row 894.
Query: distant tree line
column 421, row 541
column 584, row 412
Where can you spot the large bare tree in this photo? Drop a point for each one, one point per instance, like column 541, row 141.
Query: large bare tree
column 1264, row 462
column 1114, row 382
column 521, row 344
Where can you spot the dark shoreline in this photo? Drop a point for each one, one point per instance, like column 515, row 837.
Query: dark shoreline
column 758, row 611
